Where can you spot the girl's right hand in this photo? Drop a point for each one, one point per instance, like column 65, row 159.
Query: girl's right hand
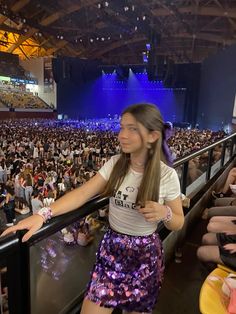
column 32, row 224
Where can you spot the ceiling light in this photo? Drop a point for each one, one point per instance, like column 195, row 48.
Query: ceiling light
column 91, row 40
column 99, row 5
column 126, row 8
column 136, row 28
column 106, row 4
column 102, row 39
column 144, row 18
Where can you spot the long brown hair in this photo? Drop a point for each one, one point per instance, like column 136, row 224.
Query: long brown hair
column 150, row 117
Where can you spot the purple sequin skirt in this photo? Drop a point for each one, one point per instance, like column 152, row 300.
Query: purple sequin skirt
column 128, row 272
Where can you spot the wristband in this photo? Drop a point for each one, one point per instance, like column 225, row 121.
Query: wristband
column 169, row 214
column 45, row 213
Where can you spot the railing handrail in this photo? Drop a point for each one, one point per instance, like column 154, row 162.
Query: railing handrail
column 8, row 245
column 57, row 223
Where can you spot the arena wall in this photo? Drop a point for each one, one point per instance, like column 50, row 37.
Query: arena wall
column 217, row 89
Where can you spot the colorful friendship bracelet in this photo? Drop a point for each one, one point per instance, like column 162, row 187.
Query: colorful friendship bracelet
column 45, row 213
column 169, row 214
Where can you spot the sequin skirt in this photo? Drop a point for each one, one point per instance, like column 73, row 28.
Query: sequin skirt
column 128, row 272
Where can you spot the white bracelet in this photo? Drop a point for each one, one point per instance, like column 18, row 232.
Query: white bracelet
column 45, row 213
column 169, row 214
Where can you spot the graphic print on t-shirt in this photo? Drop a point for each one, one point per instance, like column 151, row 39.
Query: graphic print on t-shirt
column 126, row 198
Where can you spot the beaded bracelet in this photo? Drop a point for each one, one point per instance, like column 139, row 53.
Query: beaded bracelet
column 169, row 214
column 45, row 213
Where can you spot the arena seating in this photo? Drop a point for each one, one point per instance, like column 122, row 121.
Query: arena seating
column 16, row 99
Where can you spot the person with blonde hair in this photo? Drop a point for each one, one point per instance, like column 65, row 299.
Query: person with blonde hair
column 143, row 190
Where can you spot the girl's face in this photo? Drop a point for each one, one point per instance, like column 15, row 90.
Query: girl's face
column 133, row 136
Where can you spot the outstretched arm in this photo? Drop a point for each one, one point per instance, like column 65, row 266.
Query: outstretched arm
column 67, row 203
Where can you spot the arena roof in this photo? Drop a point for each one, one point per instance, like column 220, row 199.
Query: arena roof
column 117, row 31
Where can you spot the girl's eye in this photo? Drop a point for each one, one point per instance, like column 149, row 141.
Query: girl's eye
column 133, row 129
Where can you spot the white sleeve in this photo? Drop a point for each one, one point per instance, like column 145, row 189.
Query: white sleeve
column 173, row 188
column 106, row 169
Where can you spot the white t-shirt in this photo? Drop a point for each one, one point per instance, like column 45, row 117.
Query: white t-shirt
column 123, row 215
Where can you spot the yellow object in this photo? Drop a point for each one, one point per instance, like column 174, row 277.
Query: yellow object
column 225, row 268
column 209, row 300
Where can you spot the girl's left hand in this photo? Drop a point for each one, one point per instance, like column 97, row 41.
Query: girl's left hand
column 153, row 211
column 230, row 247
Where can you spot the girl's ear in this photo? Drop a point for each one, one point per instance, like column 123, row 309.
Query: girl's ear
column 154, row 136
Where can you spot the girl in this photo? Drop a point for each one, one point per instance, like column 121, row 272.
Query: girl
column 143, row 191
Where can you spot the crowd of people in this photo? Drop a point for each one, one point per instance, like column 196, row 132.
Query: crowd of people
column 40, row 160
column 186, row 141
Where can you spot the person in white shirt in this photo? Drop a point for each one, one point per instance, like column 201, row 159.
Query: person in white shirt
column 143, row 191
column 47, row 201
